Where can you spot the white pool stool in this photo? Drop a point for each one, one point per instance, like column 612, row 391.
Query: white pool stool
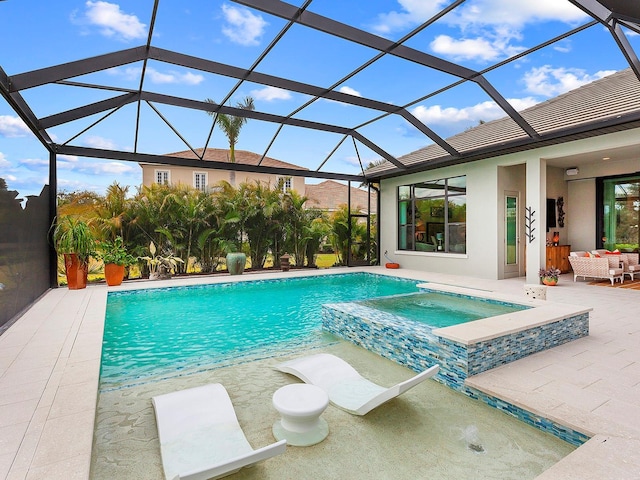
column 300, row 406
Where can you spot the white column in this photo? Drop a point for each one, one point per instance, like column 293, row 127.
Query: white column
column 536, row 201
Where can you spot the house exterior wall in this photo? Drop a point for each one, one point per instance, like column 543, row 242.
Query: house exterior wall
column 581, row 214
column 485, row 211
column 185, row 176
column 479, row 261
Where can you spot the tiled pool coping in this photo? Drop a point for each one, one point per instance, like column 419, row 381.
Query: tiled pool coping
column 466, row 349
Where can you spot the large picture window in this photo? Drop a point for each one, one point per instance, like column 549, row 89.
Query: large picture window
column 432, row 216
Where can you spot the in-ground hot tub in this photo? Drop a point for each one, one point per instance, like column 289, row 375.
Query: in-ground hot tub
column 464, row 349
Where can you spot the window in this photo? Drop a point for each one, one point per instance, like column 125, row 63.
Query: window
column 432, row 216
column 619, row 213
column 285, row 183
column 200, row 181
column 163, row 177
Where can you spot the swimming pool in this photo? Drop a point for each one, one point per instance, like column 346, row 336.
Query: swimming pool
column 438, row 309
column 161, row 331
column 124, row 420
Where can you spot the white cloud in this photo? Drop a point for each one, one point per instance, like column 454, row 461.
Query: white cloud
column 551, row 82
column 171, row 76
column 34, row 162
column 349, row 91
column 352, row 160
column 100, row 142
column 97, row 167
column 522, row 103
column 68, row 158
column 186, row 78
column 64, row 164
column 465, row 48
column 485, row 111
column 113, row 22
column 513, row 13
column 75, row 185
column 411, row 13
column 269, row 94
column 242, row 26
column 489, row 29
column 110, row 168
column 4, row 163
column 13, row 127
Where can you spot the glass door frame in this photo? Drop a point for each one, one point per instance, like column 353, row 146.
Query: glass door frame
column 511, row 257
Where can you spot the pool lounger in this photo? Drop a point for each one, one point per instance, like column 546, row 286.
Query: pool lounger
column 200, row 437
column 346, row 388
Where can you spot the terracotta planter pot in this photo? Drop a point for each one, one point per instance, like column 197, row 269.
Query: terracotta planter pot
column 549, row 281
column 76, row 272
column 113, row 274
column 236, row 262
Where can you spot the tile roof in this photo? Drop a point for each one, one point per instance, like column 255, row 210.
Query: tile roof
column 329, row 195
column 242, row 156
column 607, row 98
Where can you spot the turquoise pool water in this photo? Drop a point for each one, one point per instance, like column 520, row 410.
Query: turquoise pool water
column 158, row 332
column 438, row 309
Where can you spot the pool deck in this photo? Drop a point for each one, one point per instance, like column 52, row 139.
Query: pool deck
column 50, row 358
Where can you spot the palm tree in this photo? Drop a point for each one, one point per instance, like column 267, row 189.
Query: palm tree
column 231, row 126
column 112, row 212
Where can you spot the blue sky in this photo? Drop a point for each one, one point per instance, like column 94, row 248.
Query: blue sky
column 478, row 34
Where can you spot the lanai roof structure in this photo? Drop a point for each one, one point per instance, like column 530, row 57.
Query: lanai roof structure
column 66, row 90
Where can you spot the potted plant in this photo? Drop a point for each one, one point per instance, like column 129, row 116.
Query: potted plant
column 235, row 259
column 236, row 262
column 160, row 267
column 549, row 276
column 115, row 257
column 73, row 238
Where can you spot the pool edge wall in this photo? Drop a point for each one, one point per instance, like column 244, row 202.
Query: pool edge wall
column 416, row 346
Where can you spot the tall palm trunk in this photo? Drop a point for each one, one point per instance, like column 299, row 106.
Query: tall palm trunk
column 231, row 126
column 232, row 159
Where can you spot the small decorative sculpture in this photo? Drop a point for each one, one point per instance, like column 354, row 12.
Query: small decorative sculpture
column 560, row 205
column 528, row 223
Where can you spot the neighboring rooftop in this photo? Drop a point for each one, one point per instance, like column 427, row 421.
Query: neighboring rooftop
column 330, row 195
column 242, row 156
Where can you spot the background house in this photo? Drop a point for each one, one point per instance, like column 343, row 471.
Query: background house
column 203, row 178
column 329, row 195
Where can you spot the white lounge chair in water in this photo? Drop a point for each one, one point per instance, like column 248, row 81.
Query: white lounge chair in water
column 346, row 388
column 200, row 437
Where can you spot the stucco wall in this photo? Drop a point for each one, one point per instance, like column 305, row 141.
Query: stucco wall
column 581, row 214
column 184, row 175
